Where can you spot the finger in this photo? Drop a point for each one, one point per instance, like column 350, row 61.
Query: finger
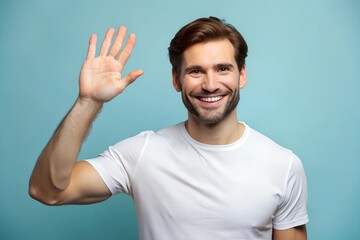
column 107, row 41
column 126, row 52
column 118, row 41
column 131, row 77
column 92, row 47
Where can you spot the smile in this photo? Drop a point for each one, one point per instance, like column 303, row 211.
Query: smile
column 210, row 99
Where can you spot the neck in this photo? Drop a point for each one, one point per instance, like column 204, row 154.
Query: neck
column 224, row 132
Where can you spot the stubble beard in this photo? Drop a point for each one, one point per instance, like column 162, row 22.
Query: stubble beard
column 208, row 116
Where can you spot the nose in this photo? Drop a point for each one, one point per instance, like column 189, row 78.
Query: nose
column 210, row 83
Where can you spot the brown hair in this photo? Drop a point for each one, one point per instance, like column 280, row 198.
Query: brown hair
column 203, row 30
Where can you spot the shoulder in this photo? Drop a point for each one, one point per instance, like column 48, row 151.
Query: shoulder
column 136, row 140
column 171, row 134
column 271, row 152
column 265, row 143
column 163, row 135
column 170, row 130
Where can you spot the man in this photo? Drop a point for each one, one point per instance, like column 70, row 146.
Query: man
column 210, row 177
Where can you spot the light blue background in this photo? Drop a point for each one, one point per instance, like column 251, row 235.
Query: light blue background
column 303, row 91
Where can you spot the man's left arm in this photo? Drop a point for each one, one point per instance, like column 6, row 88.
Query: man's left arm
column 295, row 233
column 290, row 218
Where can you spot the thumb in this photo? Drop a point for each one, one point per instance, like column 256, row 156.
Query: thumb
column 132, row 76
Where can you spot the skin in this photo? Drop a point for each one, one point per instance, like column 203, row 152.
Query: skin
column 209, row 72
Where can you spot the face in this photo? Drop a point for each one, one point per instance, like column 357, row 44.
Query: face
column 210, row 81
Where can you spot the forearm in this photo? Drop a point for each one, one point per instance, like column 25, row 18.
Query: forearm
column 53, row 169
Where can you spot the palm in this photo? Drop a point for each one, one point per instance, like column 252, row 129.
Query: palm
column 100, row 77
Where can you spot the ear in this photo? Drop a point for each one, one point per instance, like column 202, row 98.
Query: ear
column 176, row 81
column 242, row 81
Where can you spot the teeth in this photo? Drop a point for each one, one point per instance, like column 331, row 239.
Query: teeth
column 211, row 99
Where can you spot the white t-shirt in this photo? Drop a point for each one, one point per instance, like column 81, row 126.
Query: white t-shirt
column 184, row 189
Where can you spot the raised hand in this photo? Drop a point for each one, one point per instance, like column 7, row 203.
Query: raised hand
column 101, row 77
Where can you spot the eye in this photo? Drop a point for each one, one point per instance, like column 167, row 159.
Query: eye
column 223, row 69
column 195, row 71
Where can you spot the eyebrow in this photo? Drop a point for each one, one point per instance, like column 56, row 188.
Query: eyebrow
column 227, row 65
column 192, row 67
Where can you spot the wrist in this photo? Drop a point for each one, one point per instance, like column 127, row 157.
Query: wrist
column 86, row 109
column 89, row 104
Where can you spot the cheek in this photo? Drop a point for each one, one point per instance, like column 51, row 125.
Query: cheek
column 230, row 82
column 190, row 84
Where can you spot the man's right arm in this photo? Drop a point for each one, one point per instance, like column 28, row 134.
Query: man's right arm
column 57, row 178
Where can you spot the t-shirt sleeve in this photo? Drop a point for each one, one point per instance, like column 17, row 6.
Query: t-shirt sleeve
column 292, row 211
column 117, row 165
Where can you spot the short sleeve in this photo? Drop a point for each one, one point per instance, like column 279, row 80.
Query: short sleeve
column 118, row 164
column 292, row 211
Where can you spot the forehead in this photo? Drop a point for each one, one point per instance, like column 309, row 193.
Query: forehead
column 209, row 53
